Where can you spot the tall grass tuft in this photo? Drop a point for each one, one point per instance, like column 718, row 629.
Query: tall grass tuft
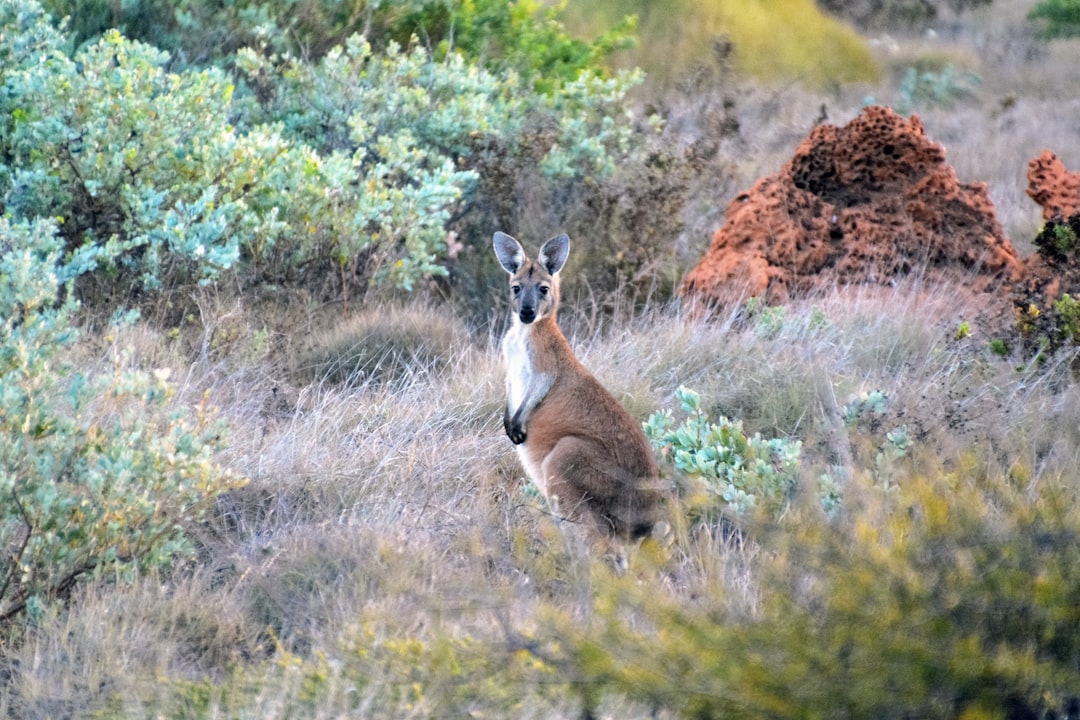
column 382, row 344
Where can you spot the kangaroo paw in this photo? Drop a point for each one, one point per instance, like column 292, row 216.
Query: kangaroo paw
column 515, row 430
column 516, row 433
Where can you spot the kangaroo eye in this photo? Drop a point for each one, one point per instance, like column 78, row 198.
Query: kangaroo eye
column 516, row 289
column 544, row 289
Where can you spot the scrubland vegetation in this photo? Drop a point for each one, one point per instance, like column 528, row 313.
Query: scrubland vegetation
column 250, row 393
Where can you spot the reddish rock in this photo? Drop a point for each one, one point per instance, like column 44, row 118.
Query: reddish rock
column 871, row 202
column 1053, row 187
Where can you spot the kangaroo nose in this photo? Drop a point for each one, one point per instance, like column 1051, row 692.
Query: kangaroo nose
column 527, row 314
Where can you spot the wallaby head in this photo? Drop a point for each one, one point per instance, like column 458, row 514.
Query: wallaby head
column 534, row 284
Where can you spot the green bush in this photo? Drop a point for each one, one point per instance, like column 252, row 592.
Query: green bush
column 864, row 417
column 145, row 168
column 140, row 165
column 450, row 109
column 934, row 88
column 199, row 33
column 1068, row 312
column 98, row 474
column 523, row 36
column 507, row 148
column 736, row 471
column 1049, row 322
column 767, row 320
column 340, row 175
column 528, row 38
column 953, row 598
column 1056, row 18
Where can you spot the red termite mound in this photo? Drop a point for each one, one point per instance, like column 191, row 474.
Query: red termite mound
column 1052, row 186
column 871, row 202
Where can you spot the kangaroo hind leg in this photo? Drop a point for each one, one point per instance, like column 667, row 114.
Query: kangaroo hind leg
column 577, row 477
column 585, row 488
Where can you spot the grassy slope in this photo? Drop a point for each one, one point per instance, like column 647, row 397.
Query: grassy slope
column 398, row 510
column 394, row 507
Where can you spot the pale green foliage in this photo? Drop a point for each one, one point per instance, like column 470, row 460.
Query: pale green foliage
column 356, row 162
column 140, row 164
column 595, row 130
column 97, row 473
column 353, row 96
column 417, row 131
column 354, row 99
column 143, row 166
column 395, row 121
column 769, row 320
column 738, row 471
column 867, row 407
column 864, row 415
column 896, row 447
column 25, row 33
column 404, row 211
column 927, row 88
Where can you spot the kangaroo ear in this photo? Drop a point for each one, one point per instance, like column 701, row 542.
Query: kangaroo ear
column 553, row 254
column 509, row 252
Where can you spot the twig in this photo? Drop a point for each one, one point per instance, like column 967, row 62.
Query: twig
column 16, row 557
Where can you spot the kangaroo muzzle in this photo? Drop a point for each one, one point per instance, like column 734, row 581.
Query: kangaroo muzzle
column 528, row 305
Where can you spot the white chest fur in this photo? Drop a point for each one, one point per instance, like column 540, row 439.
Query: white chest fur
column 520, row 372
column 524, row 385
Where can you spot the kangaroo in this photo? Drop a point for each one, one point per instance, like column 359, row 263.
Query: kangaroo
column 582, row 449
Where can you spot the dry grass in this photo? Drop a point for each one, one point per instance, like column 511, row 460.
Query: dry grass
column 397, row 509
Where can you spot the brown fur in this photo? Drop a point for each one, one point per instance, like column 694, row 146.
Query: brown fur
column 580, row 446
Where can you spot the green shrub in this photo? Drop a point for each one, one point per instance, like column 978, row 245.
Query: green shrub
column 1047, row 321
column 515, row 152
column 198, row 32
column 952, row 598
column 736, row 471
column 354, row 98
column 1068, row 312
column 141, row 165
column 341, row 175
column 1064, row 238
column 864, row 418
column 144, row 167
column 930, row 88
column 523, row 36
column 98, row 474
column 768, row 320
column 1056, row 18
